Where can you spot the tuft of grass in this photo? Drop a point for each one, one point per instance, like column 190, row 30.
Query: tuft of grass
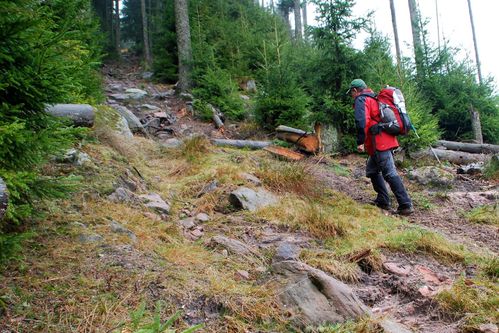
column 194, row 148
column 363, row 325
column 419, row 240
column 490, row 267
column 476, row 300
column 285, row 177
column 488, row 214
column 328, row 262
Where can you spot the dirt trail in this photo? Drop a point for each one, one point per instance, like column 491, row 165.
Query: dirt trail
column 388, row 293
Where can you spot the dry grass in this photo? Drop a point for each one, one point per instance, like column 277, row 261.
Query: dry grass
column 289, row 177
column 329, row 262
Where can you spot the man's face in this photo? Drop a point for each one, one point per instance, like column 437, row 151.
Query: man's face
column 354, row 92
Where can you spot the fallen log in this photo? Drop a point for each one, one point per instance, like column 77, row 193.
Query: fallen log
column 285, row 153
column 308, row 142
column 82, row 115
column 241, row 143
column 476, row 148
column 4, row 198
column 456, row 157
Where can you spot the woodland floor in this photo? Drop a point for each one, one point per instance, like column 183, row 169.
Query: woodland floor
column 65, row 285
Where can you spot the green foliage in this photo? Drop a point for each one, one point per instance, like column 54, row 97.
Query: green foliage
column 216, row 87
column 140, row 315
column 488, row 214
column 11, row 245
column 49, row 53
column 491, row 169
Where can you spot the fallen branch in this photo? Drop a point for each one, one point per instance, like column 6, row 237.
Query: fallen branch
column 82, row 115
column 475, row 148
column 241, row 143
column 4, row 198
column 217, row 117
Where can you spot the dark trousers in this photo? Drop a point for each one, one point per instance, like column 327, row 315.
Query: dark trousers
column 381, row 167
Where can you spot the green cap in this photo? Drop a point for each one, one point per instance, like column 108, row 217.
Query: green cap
column 357, row 83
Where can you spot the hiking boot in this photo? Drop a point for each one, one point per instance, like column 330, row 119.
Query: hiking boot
column 381, row 205
column 405, row 211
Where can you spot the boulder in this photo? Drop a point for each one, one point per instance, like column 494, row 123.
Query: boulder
column 315, row 298
column 251, row 200
column 123, row 129
column 133, row 122
column 154, row 201
column 431, row 175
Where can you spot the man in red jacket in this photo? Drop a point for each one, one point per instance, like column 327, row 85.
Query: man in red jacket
column 379, row 146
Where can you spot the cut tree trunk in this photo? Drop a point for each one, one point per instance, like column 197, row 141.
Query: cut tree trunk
column 4, row 198
column 183, row 45
column 297, row 12
column 82, row 115
column 145, row 35
column 457, row 157
column 241, row 143
column 305, row 141
column 476, row 125
column 216, row 117
column 475, row 148
column 285, row 153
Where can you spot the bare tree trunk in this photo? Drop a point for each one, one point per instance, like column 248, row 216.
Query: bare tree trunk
column 272, row 5
column 416, row 37
column 297, row 12
column 117, row 27
column 304, row 19
column 145, row 35
column 437, row 14
column 395, row 34
column 183, row 45
column 474, row 43
column 4, row 198
column 476, row 125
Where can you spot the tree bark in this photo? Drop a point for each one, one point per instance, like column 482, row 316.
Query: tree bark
column 82, row 115
column 474, row 148
column 117, row 28
column 416, row 37
column 183, row 45
column 475, row 44
column 241, row 143
column 476, row 125
column 457, row 157
column 297, row 12
column 4, row 198
column 304, row 19
column 395, row 34
column 145, row 35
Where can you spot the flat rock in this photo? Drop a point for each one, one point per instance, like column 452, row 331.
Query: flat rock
column 119, row 97
column 390, row 326
column 250, row 199
column 154, row 201
column 396, row 269
column 135, row 93
column 171, row 143
column 122, row 195
column 232, row 245
column 208, row 188
column 202, row 217
column 90, row 238
column 287, row 251
column 120, row 229
column 314, row 298
column 431, row 175
column 488, row 328
column 251, row 178
column 187, row 223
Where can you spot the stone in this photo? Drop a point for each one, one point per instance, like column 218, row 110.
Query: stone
column 287, row 251
column 250, row 199
column 120, row 229
column 396, row 269
column 122, row 195
column 90, row 238
column 133, row 122
column 187, row 223
column 251, row 178
column 431, row 175
column 152, row 216
column 149, row 107
column 202, row 217
column 390, row 326
column 119, row 97
column 241, row 275
column 488, row 328
column 154, row 201
column 187, row 97
column 123, row 129
column 115, row 87
column 244, row 97
column 232, row 245
column 147, row 75
column 315, row 298
column 208, row 188
column 76, row 157
column 135, row 93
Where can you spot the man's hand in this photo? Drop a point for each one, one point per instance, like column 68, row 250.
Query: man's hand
column 360, row 148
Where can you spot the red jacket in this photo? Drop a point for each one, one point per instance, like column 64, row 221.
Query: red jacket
column 366, row 115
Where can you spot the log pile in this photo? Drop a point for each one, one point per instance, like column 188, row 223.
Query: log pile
column 461, row 153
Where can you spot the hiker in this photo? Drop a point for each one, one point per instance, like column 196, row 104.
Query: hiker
column 379, row 145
